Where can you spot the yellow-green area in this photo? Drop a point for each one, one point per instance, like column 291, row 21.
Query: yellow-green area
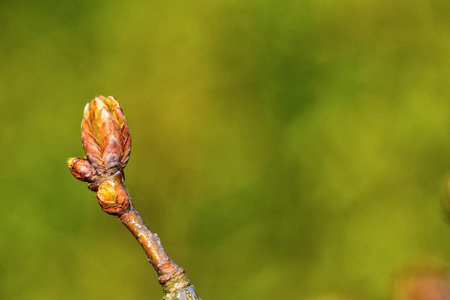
column 281, row 149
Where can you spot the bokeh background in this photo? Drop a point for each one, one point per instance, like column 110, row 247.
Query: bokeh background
column 281, row 149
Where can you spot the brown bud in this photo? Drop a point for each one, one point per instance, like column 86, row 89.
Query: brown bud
column 81, row 169
column 113, row 198
column 105, row 135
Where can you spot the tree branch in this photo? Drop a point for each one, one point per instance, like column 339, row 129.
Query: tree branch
column 107, row 143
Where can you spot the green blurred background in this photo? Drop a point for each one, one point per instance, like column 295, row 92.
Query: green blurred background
column 281, row 149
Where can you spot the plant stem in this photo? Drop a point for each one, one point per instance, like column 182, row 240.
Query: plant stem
column 156, row 254
column 172, row 278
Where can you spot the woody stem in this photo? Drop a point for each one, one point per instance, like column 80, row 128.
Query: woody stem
column 171, row 276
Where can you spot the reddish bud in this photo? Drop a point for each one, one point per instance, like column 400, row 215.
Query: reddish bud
column 105, row 135
column 81, row 169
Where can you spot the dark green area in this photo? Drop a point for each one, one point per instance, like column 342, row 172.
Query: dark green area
column 281, row 149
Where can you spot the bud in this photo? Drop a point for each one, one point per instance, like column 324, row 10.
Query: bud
column 105, row 135
column 113, row 198
column 81, row 169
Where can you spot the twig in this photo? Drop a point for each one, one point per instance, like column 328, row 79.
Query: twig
column 107, row 143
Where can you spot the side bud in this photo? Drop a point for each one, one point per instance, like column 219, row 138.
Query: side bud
column 113, row 198
column 81, row 169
